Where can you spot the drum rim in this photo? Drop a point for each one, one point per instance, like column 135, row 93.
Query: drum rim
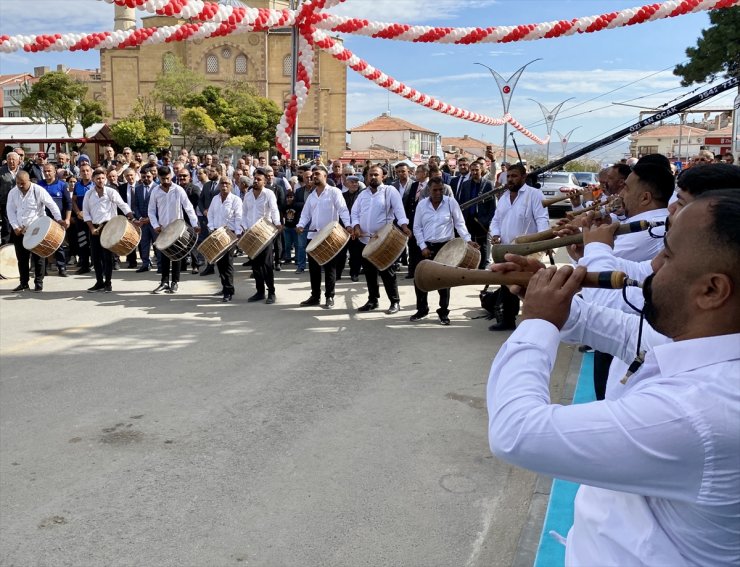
column 41, row 220
column 112, row 223
column 161, row 236
column 322, row 234
column 375, row 239
column 457, row 248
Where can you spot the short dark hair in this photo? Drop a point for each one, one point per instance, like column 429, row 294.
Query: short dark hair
column 100, row 171
column 658, row 178
column 436, row 180
column 622, row 169
column 163, row 170
column 702, row 178
column 518, row 167
column 657, row 159
column 724, row 208
column 259, row 171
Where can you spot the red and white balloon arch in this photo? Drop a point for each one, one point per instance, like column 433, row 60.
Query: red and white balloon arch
column 208, row 19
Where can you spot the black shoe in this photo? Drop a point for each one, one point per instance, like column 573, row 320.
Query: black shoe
column 37, row 288
column 394, row 308
column 369, row 306
column 409, row 277
column 82, row 270
column 21, row 287
column 115, row 267
column 208, row 271
column 329, row 303
column 219, row 293
column 247, row 263
column 505, row 326
column 418, row 316
column 355, row 278
column 164, row 286
column 97, row 287
column 142, row 269
column 251, row 275
column 310, row 302
column 339, row 277
column 131, row 265
column 300, row 270
column 173, row 288
column 256, row 297
column 62, row 273
column 108, row 288
column 227, row 297
column 270, row 299
column 444, row 320
column 277, row 268
column 159, row 270
column 194, row 270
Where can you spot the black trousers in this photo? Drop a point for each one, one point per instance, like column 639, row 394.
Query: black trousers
column 414, row 255
column 25, row 260
column 277, row 248
column 5, row 228
column 330, row 277
column 422, row 301
column 102, row 260
column 226, row 272
column 354, row 250
column 262, row 266
column 485, row 247
column 509, row 306
column 602, row 362
column 168, row 265
column 389, row 281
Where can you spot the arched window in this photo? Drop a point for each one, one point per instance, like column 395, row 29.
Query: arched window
column 169, row 61
column 211, row 64
column 287, row 66
column 240, row 64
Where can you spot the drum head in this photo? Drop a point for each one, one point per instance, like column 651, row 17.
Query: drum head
column 113, row 231
column 170, row 233
column 8, row 263
column 36, row 232
column 451, row 253
column 377, row 240
column 321, row 236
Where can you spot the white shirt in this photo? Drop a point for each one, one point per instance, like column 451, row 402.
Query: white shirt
column 320, row 210
column 660, row 465
column 23, row 209
column 130, row 194
column 226, row 213
column 525, row 215
column 372, row 211
column 263, row 206
column 435, row 225
column 167, row 207
column 98, row 209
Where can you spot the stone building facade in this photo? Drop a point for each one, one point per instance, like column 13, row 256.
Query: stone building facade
column 262, row 59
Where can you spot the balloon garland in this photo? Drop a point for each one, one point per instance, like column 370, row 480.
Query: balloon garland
column 208, row 19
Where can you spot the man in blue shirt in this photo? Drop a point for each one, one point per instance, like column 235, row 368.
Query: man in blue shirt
column 83, row 185
column 57, row 189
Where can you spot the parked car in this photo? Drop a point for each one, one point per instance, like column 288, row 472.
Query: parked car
column 586, row 178
column 557, row 184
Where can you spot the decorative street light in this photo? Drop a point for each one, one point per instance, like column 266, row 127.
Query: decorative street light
column 506, row 90
column 550, row 116
column 564, row 139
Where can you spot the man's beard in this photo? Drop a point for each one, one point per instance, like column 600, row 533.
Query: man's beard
column 374, row 183
column 649, row 310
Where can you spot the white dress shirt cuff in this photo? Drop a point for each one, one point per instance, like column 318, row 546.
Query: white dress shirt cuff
column 540, row 333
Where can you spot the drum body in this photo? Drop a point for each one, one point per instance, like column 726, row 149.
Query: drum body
column 43, row 237
column 385, row 247
column 176, row 240
column 218, row 243
column 460, row 254
column 120, row 236
column 257, row 237
column 8, row 263
column 327, row 243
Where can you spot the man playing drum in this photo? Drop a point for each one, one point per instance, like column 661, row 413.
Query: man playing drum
column 260, row 204
column 225, row 210
column 435, row 218
column 26, row 203
column 323, row 206
column 375, row 208
column 98, row 207
column 166, row 204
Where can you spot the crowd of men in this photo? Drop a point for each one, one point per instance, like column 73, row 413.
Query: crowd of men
column 658, row 453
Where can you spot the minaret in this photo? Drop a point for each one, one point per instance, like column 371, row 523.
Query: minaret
column 124, row 19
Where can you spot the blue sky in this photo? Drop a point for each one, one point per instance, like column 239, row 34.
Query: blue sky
column 584, row 66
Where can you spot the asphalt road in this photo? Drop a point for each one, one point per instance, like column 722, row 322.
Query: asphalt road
column 156, row 430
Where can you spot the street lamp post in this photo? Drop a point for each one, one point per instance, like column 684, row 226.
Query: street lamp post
column 563, row 140
column 506, row 90
column 550, row 116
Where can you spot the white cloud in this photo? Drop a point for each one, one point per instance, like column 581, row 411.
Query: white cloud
column 55, row 16
column 398, row 10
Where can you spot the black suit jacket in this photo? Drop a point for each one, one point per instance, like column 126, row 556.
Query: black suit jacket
column 478, row 217
column 7, row 182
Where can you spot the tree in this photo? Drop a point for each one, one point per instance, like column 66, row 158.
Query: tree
column 174, row 85
column 130, row 132
column 144, row 129
column 717, row 50
column 88, row 113
column 199, row 129
column 58, row 98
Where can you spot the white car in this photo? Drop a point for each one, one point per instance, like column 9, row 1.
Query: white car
column 559, row 184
